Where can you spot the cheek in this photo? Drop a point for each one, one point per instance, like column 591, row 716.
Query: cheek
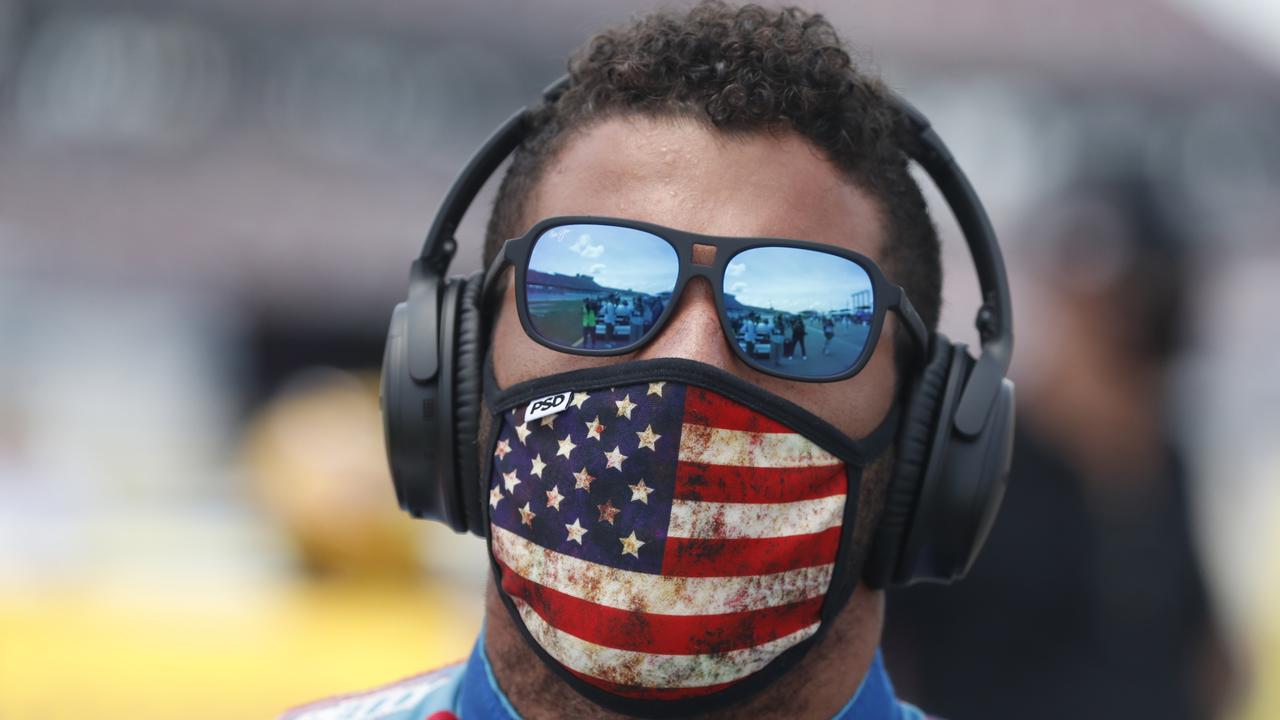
column 855, row 406
column 517, row 357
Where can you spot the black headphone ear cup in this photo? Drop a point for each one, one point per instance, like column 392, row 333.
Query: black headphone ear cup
column 961, row 497
column 959, row 480
column 408, row 412
column 915, row 438
column 417, row 410
column 466, row 416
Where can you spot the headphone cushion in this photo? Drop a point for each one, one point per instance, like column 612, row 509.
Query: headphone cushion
column 919, row 422
column 466, row 414
column 915, row 437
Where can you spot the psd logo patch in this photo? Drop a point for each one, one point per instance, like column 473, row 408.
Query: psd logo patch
column 549, row 405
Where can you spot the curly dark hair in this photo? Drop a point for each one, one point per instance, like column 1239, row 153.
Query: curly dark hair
column 747, row 69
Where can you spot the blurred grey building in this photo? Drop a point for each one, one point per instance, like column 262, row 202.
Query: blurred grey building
column 289, row 154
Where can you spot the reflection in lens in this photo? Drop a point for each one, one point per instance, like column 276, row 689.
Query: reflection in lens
column 803, row 312
column 598, row 286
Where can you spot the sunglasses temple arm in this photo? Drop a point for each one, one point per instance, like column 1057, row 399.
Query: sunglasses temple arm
column 492, row 288
column 911, row 318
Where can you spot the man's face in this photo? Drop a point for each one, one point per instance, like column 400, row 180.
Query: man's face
column 680, row 174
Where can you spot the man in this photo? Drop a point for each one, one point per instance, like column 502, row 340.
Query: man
column 1090, row 600
column 724, row 122
column 610, row 318
column 797, row 326
column 588, row 323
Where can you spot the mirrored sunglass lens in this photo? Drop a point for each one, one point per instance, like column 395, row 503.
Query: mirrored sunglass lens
column 598, row 286
column 803, row 312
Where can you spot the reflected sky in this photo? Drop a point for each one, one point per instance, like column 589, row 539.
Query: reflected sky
column 788, row 279
column 794, row 280
column 615, row 257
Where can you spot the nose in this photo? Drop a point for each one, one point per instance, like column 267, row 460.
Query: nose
column 693, row 331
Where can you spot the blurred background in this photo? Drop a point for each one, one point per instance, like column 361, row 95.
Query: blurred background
column 207, row 211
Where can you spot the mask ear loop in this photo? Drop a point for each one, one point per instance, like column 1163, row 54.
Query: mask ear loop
column 485, row 437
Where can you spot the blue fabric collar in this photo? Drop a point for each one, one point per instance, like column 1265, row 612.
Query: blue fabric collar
column 480, row 696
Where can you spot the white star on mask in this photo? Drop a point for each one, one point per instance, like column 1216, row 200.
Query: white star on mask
column 527, row 515
column 631, row 545
column 625, row 406
column 640, row 491
column 566, row 446
column 554, row 498
column 648, row 438
column 576, row 531
column 523, row 431
column 614, row 458
column 594, row 428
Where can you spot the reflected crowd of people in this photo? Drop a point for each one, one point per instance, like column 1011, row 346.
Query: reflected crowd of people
column 613, row 319
column 616, row 318
column 780, row 337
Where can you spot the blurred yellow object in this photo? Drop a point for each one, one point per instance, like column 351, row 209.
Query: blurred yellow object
column 1264, row 695
column 76, row 655
column 363, row 613
column 1264, row 638
column 317, row 463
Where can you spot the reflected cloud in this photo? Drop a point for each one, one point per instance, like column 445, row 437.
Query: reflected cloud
column 584, row 247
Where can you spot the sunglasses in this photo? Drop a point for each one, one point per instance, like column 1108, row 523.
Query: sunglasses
column 793, row 309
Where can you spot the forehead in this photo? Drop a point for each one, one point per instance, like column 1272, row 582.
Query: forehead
column 682, row 174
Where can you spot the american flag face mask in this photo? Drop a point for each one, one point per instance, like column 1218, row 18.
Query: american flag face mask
column 668, row 537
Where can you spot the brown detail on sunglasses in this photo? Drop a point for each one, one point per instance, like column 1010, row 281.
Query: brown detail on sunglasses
column 704, row 255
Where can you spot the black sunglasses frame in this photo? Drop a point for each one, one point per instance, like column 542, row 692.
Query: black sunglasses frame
column 885, row 294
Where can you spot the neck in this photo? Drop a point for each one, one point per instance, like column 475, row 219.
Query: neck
column 818, row 687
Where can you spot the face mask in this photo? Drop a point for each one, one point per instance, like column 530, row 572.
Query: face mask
column 664, row 533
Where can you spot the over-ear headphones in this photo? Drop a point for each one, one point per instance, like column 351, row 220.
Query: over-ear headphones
column 954, row 445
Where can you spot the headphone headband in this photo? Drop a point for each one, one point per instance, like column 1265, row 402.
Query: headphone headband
column 440, row 245
column 995, row 318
